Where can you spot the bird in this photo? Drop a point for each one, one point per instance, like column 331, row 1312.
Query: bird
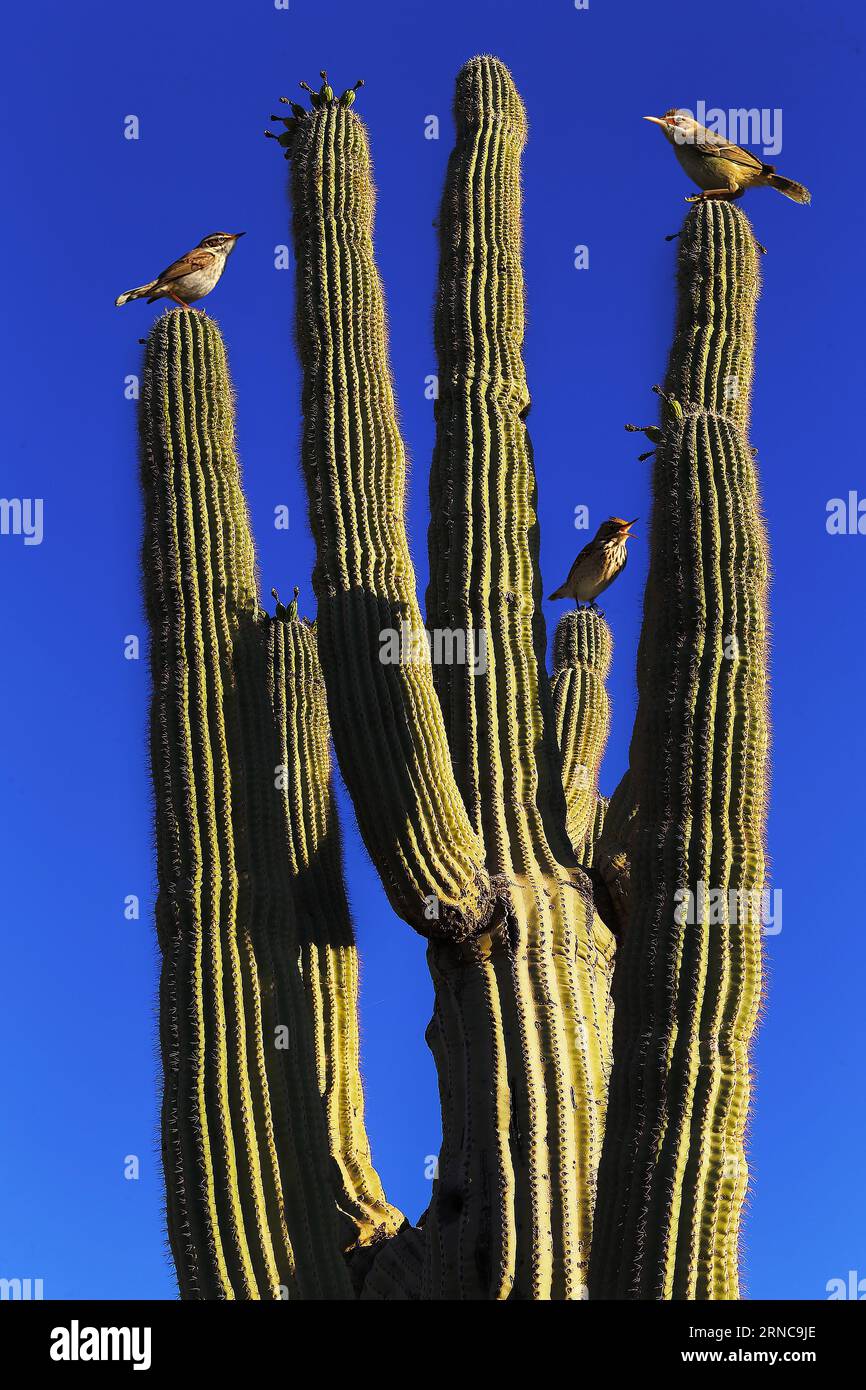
column 191, row 277
column 719, row 168
column 598, row 564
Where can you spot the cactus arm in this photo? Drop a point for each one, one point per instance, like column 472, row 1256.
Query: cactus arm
column 483, row 535
column 250, row 1213
column 673, row 1172
column 386, row 720
column 310, row 845
column 189, row 774
column 582, row 650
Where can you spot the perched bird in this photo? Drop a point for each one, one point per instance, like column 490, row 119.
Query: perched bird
column 721, row 169
column 599, row 563
column 193, row 276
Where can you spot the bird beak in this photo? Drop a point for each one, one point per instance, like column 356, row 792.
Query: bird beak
column 626, row 530
column 238, row 234
column 656, row 120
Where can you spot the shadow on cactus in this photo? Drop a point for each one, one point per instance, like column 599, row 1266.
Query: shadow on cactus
column 475, row 789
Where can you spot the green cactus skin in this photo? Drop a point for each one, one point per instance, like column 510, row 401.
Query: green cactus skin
column 582, row 652
column 246, row 1136
column 673, row 1172
column 459, row 799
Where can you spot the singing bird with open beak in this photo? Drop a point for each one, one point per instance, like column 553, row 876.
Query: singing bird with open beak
column 599, row 563
column 720, row 169
column 191, row 277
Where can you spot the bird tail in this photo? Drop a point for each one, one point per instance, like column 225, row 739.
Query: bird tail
column 138, row 293
column 792, row 190
column 557, row 593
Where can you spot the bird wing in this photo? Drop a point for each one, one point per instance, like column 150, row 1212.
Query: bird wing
column 581, row 555
column 193, row 260
column 709, row 142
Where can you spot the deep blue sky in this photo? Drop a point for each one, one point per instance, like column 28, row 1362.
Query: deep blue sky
column 89, row 213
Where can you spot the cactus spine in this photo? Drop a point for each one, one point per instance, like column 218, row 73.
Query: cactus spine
column 687, row 987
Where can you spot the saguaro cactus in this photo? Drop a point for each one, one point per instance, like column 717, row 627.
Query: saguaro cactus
column 474, row 779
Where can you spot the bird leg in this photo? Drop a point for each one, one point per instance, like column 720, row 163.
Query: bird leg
column 711, row 193
column 181, row 302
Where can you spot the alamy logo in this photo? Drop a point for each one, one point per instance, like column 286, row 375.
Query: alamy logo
column 77, row 1343
column 443, row 646
column 718, row 907
column 853, row 1287
column 846, row 516
column 24, row 1290
column 740, row 125
column 22, row 516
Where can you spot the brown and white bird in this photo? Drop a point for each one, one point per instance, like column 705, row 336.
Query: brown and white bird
column 720, row 169
column 193, row 276
column 599, row 563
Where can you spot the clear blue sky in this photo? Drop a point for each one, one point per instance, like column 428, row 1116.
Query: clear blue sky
column 89, row 213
